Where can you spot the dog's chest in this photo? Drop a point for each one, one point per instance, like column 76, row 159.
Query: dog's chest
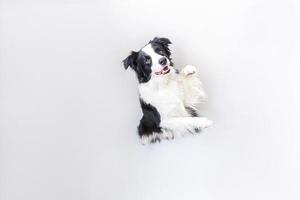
column 167, row 99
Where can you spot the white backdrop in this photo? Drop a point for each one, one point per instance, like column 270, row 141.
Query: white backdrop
column 69, row 111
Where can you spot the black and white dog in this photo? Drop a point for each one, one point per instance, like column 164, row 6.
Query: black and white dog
column 168, row 98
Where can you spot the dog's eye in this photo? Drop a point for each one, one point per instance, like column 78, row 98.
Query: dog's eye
column 159, row 51
column 147, row 60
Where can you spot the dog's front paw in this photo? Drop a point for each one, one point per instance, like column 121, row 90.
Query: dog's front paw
column 188, row 70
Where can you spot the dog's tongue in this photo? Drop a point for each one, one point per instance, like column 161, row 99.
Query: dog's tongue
column 166, row 68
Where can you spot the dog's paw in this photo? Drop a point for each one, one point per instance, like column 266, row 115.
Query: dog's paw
column 188, row 70
column 167, row 134
column 148, row 139
column 203, row 122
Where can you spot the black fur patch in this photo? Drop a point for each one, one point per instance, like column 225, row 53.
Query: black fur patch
column 137, row 61
column 193, row 112
column 150, row 121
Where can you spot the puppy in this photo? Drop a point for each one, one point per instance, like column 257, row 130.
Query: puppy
column 168, row 98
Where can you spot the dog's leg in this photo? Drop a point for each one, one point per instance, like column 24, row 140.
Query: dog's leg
column 149, row 129
column 176, row 127
column 192, row 86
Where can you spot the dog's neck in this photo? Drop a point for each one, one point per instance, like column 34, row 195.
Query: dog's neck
column 157, row 82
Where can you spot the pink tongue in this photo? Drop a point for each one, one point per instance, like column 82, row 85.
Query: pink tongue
column 162, row 71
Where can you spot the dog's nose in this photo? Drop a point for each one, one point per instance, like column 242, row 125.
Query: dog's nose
column 162, row 61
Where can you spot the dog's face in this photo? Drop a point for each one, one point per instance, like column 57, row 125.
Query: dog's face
column 151, row 61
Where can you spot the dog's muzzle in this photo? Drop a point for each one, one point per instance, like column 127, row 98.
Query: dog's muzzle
column 164, row 71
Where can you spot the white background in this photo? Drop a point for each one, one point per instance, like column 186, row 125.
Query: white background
column 69, row 111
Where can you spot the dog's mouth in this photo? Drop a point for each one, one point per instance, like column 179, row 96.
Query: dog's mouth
column 164, row 71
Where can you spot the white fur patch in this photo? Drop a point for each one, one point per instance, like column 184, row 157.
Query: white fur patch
column 189, row 70
column 170, row 94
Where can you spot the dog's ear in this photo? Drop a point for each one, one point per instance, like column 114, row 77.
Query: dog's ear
column 130, row 61
column 164, row 41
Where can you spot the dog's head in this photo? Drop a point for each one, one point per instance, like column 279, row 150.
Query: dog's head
column 153, row 60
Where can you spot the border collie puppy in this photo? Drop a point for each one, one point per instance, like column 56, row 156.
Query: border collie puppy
column 168, row 98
